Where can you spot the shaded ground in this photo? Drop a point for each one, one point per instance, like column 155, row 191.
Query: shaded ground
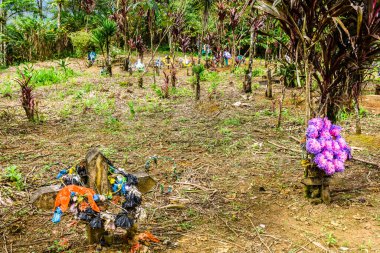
column 235, row 192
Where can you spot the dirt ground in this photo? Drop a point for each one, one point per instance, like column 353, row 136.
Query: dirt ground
column 234, row 189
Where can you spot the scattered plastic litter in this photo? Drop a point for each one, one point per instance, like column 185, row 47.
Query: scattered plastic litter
column 82, row 201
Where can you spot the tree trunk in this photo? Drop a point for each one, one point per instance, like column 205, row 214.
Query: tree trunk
column 200, row 39
column 307, row 89
column 108, row 60
column 39, row 5
column 357, row 117
column 152, row 53
column 248, row 82
column 198, row 87
column 281, row 103
column 233, row 49
column 141, row 82
column 3, row 45
column 268, row 92
column 170, row 40
column 59, row 6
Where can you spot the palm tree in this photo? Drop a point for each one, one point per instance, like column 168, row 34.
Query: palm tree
column 102, row 36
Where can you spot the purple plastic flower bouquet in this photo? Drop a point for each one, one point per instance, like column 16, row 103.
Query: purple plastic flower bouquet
column 328, row 148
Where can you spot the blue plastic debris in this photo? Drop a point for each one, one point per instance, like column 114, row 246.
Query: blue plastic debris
column 57, row 215
column 61, row 174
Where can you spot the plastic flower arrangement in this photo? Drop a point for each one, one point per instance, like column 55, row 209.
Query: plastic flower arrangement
column 328, row 148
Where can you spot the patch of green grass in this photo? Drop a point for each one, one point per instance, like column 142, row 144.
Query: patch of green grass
column 225, row 131
column 6, row 89
column 186, row 225
column 112, row 124
column 66, row 111
column 125, row 84
column 90, row 102
column 210, row 76
column 258, row 72
column 56, row 247
column 265, row 112
column 192, row 212
column 88, row 87
column 132, row 110
column 79, row 94
column 181, row 92
column 183, row 119
column 151, row 107
column 49, row 76
column 255, row 86
column 232, row 122
column 108, row 151
column 105, row 107
column 157, row 90
column 239, row 71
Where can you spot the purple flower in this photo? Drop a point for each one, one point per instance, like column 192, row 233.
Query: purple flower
column 328, row 145
column 320, row 160
column 328, row 154
column 335, row 146
column 341, row 156
column 311, row 131
column 325, row 142
column 348, row 152
column 325, row 134
column 335, row 130
column 339, row 165
column 327, row 123
column 317, row 122
column 342, row 143
column 313, row 146
column 330, row 168
column 322, row 142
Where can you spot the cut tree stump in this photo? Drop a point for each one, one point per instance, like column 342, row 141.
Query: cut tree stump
column 317, row 185
column 97, row 171
column 44, row 197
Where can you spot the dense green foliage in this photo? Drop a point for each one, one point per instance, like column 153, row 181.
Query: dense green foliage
column 330, row 44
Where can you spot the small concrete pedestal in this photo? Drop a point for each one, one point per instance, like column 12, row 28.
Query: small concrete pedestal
column 317, row 185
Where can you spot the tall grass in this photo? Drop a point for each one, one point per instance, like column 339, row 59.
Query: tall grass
column 49, row 76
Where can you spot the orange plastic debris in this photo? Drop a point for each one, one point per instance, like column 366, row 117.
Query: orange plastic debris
column 83, row 205
column 147, row 237
column 135, row 247
column 116, row 199
column 63, row 197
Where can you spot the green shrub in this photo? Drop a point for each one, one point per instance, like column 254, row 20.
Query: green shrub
column 6, row 89
column 240, row 71
column 258, row 72
column 49, row 76
column 14, row 175
column 81, row 41
column 211, row 76
column 157, row 90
